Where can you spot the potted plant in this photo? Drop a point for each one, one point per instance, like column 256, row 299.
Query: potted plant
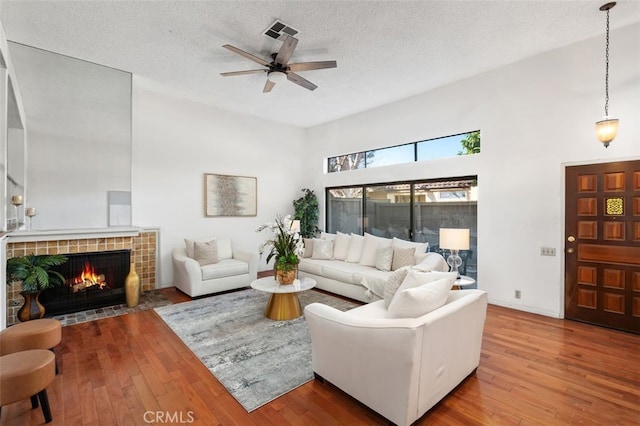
column 285, row 246
column 307, row 211
column 35, row 274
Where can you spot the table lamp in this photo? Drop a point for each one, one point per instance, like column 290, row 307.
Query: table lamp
column 454, row 240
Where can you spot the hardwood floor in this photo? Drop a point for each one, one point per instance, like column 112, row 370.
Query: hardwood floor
column 533, row 370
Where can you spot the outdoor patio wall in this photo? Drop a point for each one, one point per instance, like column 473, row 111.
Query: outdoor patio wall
column 176, row 141
column 536, row 116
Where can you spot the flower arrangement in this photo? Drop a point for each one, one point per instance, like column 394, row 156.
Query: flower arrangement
column 286, row 244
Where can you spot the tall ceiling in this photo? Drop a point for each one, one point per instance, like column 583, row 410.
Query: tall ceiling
column 386, row 50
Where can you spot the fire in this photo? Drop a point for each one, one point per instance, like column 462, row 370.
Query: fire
column 88, row 278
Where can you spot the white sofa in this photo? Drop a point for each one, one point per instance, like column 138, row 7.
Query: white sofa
column 343, row 271
column 235, row 269
column 398, row 367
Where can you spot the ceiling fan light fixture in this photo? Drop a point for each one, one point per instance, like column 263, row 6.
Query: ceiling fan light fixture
column 277, row 77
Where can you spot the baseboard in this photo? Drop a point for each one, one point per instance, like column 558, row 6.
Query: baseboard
column 525, row 308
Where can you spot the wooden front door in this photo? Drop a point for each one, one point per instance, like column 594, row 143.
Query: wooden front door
column 602, row 244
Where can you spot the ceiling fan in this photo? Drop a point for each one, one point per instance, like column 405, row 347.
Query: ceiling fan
column 279, row 69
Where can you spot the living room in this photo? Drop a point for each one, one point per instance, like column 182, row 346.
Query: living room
column 535, row 115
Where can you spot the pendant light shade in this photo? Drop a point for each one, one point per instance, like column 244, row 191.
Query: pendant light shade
column 607, row 128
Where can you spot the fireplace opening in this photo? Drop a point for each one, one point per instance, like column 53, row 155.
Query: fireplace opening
column 92, row 280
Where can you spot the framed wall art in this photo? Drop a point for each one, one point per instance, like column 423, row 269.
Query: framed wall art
column 230, row 195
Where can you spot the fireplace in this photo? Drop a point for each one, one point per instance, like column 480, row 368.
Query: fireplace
column 93, row 280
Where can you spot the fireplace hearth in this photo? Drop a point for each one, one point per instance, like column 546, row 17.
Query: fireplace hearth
column 93, row 280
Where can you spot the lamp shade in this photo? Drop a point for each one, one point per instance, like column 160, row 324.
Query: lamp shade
column 607, row 129
column 454, row 239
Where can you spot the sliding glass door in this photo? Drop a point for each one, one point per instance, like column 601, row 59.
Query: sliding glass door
column 414, row 211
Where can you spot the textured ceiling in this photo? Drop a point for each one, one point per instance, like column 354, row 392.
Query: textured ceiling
column 385, row 50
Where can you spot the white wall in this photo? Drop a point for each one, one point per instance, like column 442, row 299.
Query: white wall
column 535, row 116
column 176, row 141
column 79, row 137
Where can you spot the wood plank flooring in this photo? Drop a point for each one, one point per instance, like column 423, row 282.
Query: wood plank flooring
column 534, row 370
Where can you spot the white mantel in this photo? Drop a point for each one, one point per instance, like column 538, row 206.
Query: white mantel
column 67, row 234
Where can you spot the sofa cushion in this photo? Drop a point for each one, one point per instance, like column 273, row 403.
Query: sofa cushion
column 189, row 244
column 393, row 283
column 206, row 253
column 370, row 249
column 402, row 257
column 417, row 278
column 432, row 262
column 384, row 257
column 375, row 281
column 420, row 247
column 354, row 253
column 312, row 266
column 322, row 249
column 418, row 301
column 308, row 247
column 341, row 246
column 224, row 268
column 350, row 273
column 224, row 248
column 374, row 310
column 327, row 236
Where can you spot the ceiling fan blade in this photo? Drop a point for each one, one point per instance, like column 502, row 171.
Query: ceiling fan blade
column 268, row 86
column 232, row 73
column 308, row 66
column 295, row 78
column 246, row 55
column 284, row 54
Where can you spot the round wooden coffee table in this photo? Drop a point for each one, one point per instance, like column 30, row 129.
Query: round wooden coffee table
column 284, row 303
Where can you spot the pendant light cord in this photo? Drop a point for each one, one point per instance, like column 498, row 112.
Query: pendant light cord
column 606, row 78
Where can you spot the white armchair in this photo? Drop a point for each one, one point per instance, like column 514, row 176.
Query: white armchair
column 235, row 270
column 398, row 367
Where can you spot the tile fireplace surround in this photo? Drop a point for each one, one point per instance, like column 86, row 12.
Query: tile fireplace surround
column 142, row 243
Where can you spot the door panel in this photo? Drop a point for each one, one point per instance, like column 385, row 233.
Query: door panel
column 602, row 244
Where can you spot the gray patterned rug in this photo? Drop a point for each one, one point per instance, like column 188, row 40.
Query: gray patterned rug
column 255, row 358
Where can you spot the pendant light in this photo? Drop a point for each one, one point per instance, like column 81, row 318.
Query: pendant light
column 607, row 128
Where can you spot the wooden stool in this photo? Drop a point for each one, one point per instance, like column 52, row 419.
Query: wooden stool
column 26, row 375
column 43, row 333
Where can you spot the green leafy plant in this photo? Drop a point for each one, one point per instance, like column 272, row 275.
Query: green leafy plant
column 35, row 271
column 307, row 212
column 286, row 245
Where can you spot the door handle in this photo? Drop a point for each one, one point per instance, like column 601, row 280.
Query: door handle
column 570, row 250
column 571, row 238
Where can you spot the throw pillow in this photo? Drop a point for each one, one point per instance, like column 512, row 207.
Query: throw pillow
column 370, row 249
column 384, row 257
column 418, row 301
column 224, row 248
column 322, row 249
column 206, row 253
column 416, row 279
column 354, row 253
column 421, row 248
column 432, row 262
column 393, row 283
column 327, row 236
column 189, row 245
column 402, row 257
column 308, row 247
column 341, row 246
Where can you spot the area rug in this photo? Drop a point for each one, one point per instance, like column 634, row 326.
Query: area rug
column 255, row 358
